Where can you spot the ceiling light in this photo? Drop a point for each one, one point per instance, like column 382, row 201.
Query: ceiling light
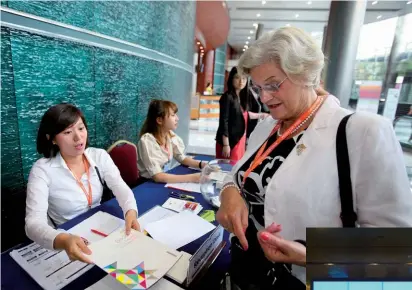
column 255, row 24
column 373, row 264
column 309, row 2
column 329, row 264
column 409, row 2
column 246, row 46
column 379, row 17
column 251, row 32
column 244, row 49
column 374, row 2
column 288, row 25
column 201, row 47
column 198, row 43
column 258, row 15
column 248, row 37
column 247, row 42
column 263, row 2
column 296, row 15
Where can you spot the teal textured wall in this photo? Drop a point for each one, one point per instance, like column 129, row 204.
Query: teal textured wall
column 219, row 72
column 113, row 89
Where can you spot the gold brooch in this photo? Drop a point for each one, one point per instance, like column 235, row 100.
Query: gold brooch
column 300, row 148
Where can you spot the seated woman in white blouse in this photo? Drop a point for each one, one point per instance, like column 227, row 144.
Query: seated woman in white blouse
column 65, row 184
column 158, row 145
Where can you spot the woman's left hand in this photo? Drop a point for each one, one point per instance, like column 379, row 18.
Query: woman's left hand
column 277, row 249
column 131, row 221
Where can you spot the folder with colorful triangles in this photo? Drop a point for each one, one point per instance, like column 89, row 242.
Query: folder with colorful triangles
column 136, row 260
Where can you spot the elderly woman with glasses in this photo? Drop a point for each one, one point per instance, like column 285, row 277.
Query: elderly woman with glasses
column 289, row 178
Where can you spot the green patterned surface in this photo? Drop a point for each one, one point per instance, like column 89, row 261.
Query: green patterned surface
column 11, row 163
column 112, row 89
column 219, row 72
column 159, row 25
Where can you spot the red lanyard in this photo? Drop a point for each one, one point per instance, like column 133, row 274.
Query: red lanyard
column 260, row 156
column 88, row 194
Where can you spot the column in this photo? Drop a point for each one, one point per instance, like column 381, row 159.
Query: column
column 341, row 45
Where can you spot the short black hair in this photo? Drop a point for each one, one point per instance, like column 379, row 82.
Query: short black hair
column 54, row 121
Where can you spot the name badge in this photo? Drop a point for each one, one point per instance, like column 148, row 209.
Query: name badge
column 209, row 250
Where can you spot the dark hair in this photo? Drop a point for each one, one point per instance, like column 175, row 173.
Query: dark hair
column 54, row 121
column 229, row 83
column 157, row 109
column 243, row 97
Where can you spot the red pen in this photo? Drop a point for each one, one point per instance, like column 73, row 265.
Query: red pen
column 178, row 189
column 98, row 233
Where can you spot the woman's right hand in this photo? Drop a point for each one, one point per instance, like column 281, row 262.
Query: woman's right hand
column 233, row 214
column 74, row 246
column 226, row 151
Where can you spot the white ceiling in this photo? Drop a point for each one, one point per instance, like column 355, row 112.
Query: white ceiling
column 311, row 17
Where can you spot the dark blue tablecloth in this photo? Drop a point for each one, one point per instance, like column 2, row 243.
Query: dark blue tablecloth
column 147, row 195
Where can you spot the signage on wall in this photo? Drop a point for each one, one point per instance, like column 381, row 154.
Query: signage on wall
column 369, row 95
column 391, row 104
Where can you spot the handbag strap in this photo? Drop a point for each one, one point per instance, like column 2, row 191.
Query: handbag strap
column 348, row 215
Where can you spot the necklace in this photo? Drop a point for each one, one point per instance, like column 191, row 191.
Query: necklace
column 303, row 122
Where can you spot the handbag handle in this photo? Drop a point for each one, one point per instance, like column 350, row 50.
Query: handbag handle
column 347, row 215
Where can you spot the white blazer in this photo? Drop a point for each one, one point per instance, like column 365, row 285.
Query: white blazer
column 304, row 191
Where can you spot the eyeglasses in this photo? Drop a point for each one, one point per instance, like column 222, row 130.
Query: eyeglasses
column 269, row 88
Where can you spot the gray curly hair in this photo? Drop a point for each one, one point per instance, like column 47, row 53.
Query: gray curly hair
column 297, row 54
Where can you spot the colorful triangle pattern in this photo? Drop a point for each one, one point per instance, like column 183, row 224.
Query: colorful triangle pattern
column 135, row 278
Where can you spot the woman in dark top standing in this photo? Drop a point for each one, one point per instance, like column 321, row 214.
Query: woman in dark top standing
column 254, row 105
column 231, row 134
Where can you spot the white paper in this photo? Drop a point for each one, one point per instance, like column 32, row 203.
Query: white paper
column 110, row 283
column 52, row 270
column 107, row 283
column 101, row 221
column 157, row 213
column 134, row 252
column 178, row 205
column 179, row 271
column 217, row 175
column 41, row 264
column 179, row 230
column 189, row 187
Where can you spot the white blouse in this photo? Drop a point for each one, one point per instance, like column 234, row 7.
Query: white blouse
column 153, row 158
column 52, row 189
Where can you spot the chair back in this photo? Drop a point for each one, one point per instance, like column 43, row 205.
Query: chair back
column 124, row 155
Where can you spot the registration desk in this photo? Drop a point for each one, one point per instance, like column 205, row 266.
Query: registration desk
column 147, row 195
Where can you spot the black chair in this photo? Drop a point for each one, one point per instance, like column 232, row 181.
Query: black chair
column 13, row 211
